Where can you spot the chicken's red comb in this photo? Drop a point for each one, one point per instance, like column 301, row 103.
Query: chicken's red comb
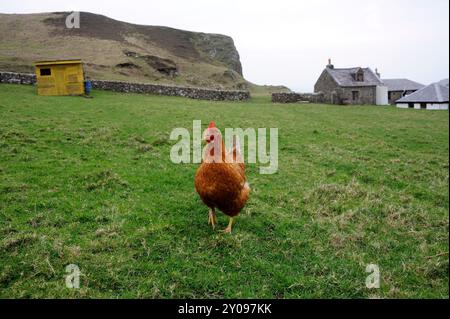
column 212, row 124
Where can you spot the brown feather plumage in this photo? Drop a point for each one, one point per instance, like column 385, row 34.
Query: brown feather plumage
column 223, row 185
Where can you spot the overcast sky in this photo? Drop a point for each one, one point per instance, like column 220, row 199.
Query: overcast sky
column 289, row 42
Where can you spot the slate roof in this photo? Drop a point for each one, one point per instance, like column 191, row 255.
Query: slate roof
column 433, row 93
column 444, row 82
column 402, row 85
column 345, row 77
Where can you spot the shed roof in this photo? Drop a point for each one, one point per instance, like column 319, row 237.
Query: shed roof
column 433, row 93
column 75, row 61
column 345, row 77
column 402, row 85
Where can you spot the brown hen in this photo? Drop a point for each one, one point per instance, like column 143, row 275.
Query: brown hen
column 220, row 180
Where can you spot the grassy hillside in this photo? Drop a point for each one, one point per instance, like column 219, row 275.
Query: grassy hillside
column 90, row 182
column 115, row 50
column 266, row 90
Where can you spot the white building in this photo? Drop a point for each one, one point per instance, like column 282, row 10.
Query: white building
column 431, row 97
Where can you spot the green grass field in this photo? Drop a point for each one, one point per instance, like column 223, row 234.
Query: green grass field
column 90, row 182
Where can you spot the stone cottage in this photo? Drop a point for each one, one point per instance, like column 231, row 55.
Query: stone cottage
column 398, row 88
column 351, row 86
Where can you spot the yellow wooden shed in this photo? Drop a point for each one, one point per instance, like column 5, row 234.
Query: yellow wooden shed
column 64, row 77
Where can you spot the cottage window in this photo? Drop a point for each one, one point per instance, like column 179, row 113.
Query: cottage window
column 355, row 95
column 360, row 77
column 46, row 72
column 423, row 105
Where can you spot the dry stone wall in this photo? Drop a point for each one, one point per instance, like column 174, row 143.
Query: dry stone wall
column 193, row 93
column 297, row 97
column 17, row 78
column 144, row 88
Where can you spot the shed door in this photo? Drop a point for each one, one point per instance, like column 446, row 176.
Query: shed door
column 59, row 80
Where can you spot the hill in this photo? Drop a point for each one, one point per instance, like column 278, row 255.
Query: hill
column 118, row 50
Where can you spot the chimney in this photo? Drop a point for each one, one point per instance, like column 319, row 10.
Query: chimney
column 330, row 66
column 377, row 73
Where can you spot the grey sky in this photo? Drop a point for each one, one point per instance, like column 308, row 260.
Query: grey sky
column 289, row 42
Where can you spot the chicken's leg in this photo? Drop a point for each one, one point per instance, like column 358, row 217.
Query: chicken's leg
column 228, row 229
column 212, row 218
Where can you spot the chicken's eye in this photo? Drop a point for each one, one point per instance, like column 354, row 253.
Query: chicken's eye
column 211, row 138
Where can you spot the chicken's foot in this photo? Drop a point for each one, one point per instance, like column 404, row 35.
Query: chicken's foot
column 212, row 218
column 228, row 229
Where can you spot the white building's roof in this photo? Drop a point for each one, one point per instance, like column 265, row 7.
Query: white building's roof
column 433, row 93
